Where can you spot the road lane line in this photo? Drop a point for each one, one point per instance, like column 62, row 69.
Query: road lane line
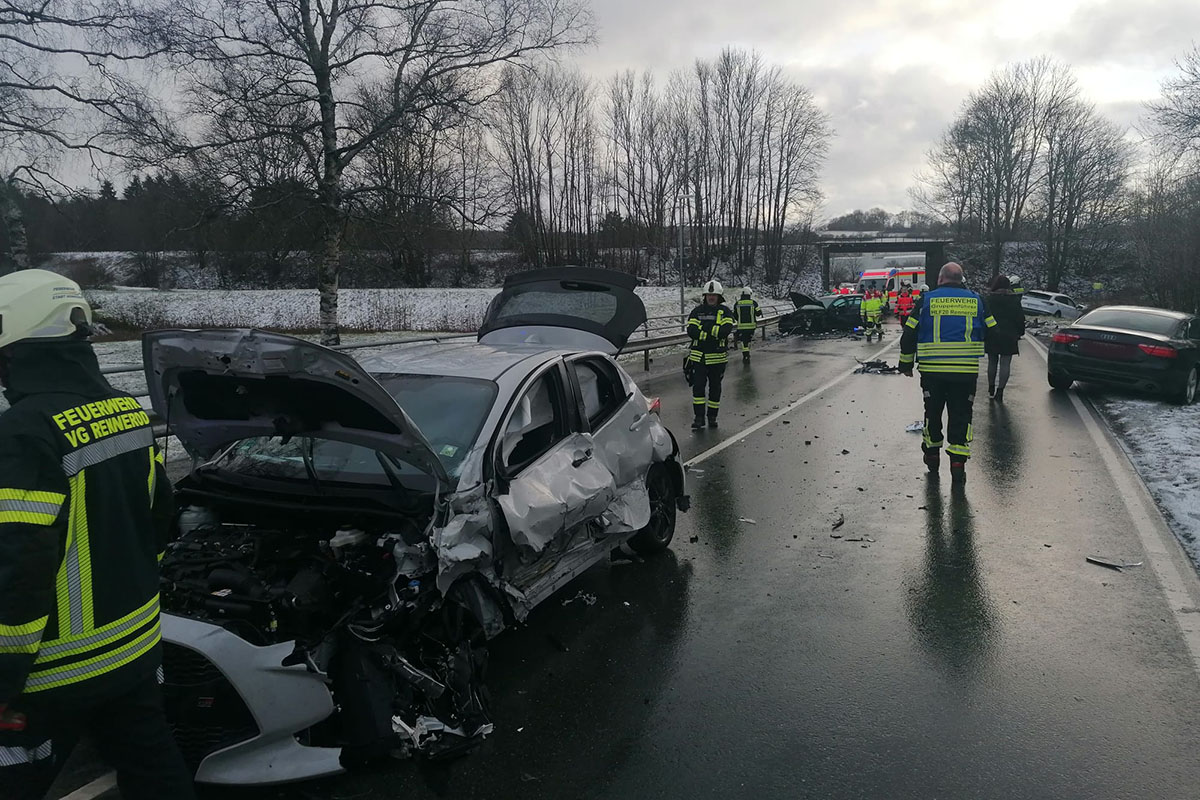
column 1163, row 550
column 94, row 789
column 767, row 420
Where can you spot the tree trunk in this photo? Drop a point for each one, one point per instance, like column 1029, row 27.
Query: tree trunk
column 16, row 257
column 328, row 273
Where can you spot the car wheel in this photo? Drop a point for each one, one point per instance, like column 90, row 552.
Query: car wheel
column 1058, row 315
column 1185, row 395
column 658, row 533
column 1059, row 381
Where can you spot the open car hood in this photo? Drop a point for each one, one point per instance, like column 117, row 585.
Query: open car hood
column 576, row 308
column 217, row 387
column 799, row 299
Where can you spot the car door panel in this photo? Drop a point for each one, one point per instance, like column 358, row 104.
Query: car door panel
column 565, row 488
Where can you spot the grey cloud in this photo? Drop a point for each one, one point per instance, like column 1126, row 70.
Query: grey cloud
column 1150, row 33
column 885, row 124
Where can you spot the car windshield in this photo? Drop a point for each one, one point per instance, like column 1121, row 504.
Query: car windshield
column 1144, row 321
column 448, row 411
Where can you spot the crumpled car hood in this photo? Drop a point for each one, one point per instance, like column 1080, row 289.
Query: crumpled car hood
column 216, row 387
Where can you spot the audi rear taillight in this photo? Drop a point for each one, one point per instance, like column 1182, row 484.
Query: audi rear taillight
column 1158, row 350
column 1065, row 338
column 656, row 406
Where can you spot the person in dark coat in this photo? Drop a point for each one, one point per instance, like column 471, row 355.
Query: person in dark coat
column 1001, row 342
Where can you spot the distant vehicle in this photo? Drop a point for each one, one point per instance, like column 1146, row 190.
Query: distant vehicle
column 890, row 281
column 846, row 288
column 830, row 313
column 1050, row 303
column 354, row 532
column 1145, row 349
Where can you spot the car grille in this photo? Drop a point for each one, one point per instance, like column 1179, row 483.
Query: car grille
column 1111, row 351
column 205, row 711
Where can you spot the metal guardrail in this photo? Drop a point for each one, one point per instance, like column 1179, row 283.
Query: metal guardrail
column 644, row 345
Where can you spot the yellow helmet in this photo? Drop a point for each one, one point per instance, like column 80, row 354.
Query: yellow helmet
column 36, row 304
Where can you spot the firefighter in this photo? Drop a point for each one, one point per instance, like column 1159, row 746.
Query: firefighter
column 872, row 310
column 85, row 506
column 1014, row 283
column 946, row 339
column 904, row 304
column 709, row 326
column 748, row 313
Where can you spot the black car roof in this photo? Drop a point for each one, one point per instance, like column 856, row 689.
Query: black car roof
column 1162, row 312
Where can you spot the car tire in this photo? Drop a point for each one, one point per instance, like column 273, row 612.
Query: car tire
column 658, row 533
column 1185, row 395
column 1061, row 382
column 1058, row 315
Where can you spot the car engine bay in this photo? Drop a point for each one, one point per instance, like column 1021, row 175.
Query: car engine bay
column 404, row 664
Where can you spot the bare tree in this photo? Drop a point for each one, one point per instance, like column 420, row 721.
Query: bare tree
column 1177, row 113
column 297, row 71
column 1081, row 194
column 62, row 89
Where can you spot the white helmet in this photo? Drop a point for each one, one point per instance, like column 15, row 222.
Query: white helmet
column 36, row 304
column 747, row 291
column 1014, row 280
column 714, row 287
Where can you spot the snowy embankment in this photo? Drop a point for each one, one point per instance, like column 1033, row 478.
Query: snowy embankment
column 1163, row 441
column 297, row 309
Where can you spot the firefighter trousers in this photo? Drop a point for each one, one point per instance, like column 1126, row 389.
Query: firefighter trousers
column 955, row 396
column 710, row 376
column 129, row 732
column 744, row 339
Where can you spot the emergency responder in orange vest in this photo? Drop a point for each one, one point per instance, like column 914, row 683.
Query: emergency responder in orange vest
column 904, row 304
column 85, row 507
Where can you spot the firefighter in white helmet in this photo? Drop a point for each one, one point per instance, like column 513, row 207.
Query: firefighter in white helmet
column 748, row 313
column 85, row 508
column 709, row 326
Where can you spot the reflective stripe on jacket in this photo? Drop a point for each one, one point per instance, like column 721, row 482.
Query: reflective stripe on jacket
column 84, row 510
column 946, row 335
column 709, row 328
column 747, row 313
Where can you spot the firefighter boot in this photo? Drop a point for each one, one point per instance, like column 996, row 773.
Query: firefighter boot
column 698, row 423
column 958, row 472
column 933, row 460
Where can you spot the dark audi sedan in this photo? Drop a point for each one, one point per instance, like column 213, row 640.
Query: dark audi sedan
column 1145, row 349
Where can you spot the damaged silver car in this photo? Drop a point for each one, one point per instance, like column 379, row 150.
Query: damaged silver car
column 353, row 533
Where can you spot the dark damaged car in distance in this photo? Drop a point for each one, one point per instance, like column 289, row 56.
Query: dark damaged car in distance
column 1133, row 347
column 835, row 312
column 353, row 533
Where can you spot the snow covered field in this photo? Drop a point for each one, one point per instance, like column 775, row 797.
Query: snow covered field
column 1163, row 440
column 296, row 309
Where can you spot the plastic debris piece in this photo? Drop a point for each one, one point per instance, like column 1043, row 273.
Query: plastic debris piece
column 747, row 521
column 916, row 427
column 824, row 555
column 1103, row 562
column 841, row 521
column 583, row 597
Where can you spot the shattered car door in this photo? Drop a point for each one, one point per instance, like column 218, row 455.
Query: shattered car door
column 567, row 487
column 628, row 438
column 555, row 482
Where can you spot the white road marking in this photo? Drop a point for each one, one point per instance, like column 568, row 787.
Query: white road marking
column 767, row 420
column 94, row 789
column 1163, row 551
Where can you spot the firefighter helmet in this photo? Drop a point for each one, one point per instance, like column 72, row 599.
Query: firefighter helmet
column 36, row 304
column 714, row 287
column 1014, row 281
column 747, row 291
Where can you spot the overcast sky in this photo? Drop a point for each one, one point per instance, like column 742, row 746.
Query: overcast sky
column 892, row 73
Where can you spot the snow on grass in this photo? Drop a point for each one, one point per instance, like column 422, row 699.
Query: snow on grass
column 296, row 309
column 1163, row 441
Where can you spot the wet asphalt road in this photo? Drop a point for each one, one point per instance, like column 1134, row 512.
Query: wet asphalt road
column 949, row 645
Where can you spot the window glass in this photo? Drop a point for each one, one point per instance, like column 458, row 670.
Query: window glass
column 1147, row 322
column 601, row 391
column 536, row 423
column 448, row 411
column 1062, row 298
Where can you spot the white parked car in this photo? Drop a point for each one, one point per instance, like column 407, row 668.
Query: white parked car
column 1050, row 303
